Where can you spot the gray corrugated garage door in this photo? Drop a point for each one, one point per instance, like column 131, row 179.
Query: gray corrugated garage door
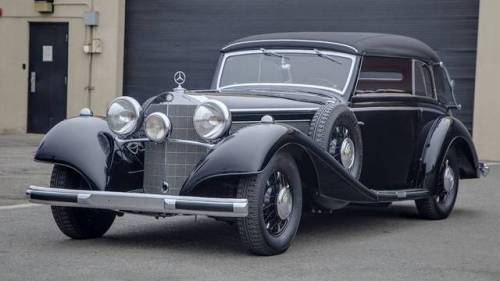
column 165, row 36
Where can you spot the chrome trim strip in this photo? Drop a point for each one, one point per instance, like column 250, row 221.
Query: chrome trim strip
column 124, row 141
column 282, row 84
column 290, row 40
column 395, row 108
column 288, row 51
column 298, row 109
column 275, row 121
column 207, row 145
column 139, row 202
column 380, row 79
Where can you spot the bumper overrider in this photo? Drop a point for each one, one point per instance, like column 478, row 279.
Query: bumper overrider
column 139, row 202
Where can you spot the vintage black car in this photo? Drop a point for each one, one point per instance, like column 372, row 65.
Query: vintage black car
column 294, row 122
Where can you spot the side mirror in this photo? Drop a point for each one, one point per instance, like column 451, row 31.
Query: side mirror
column 452, row 84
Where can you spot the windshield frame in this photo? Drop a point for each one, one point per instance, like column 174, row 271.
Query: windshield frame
column 288, row 51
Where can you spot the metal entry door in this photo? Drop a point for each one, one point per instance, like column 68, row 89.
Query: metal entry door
column 47, row 77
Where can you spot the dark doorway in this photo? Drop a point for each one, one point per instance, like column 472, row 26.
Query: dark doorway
column 47, row 77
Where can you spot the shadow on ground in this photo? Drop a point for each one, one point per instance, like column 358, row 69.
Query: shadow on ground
column 204, row 235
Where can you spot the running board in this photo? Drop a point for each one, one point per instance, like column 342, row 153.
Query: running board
column 402, row 194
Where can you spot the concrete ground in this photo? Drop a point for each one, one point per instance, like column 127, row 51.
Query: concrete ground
column 357, row 243
column 17, row 168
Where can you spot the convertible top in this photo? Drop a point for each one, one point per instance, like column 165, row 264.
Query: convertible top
column 358, row 43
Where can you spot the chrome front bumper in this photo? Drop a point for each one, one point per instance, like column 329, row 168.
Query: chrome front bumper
column 139, row 202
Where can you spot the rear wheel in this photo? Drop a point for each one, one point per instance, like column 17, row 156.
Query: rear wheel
column 78, row 223
column 441, row 204
column 274, row 206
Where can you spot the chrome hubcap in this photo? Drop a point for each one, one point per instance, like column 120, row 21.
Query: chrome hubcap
column 278, row 203
column 342, row 147
column 446, row 195
column 284, row 203
column 449, row 178
column 347, row 153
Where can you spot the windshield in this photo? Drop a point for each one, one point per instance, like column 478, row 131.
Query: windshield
column 323, row 70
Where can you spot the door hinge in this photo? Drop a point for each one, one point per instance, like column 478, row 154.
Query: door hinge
column 66, row 37
column 66, row 80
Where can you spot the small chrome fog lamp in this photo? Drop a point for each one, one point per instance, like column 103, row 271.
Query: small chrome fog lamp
column 157, row 127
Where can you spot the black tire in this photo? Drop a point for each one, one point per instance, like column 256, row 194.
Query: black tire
column 260, row 238
column 439, row 207
column 323, row 130
column 78, row 223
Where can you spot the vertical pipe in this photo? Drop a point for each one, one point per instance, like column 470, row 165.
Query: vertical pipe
column 90, row 87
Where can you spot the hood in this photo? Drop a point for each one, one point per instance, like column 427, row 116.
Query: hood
column 279, row 104
column 249, row 105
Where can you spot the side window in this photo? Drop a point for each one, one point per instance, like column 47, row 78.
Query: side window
column 422, row 80
column 385, row 75
column 443, row 88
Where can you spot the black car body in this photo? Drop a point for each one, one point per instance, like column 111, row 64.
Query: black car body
column 293, row 122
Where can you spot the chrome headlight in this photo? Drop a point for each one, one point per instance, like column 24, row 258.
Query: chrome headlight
column 157, row 126
column 124, row 115
column 211, row 119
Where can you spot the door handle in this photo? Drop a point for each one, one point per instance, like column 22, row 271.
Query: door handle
column 33, row 82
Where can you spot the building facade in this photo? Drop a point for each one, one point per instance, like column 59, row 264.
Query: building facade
column 59, row 56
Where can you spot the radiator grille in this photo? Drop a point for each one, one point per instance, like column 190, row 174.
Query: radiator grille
column 172, row 162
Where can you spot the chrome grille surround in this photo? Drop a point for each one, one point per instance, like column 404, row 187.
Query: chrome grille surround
column 170, row 163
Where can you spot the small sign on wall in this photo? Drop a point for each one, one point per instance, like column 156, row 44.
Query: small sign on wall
column 47, row 55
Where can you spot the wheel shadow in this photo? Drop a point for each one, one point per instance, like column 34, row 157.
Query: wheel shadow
column 210, row 237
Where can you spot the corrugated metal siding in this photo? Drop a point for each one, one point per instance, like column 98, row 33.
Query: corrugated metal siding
column 165, row 36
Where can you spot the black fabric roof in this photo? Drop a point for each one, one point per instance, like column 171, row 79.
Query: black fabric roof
column 371, row 44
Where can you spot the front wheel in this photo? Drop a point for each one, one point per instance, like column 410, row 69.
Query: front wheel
column 441, row 204
column 274, row 206
column 78, row 223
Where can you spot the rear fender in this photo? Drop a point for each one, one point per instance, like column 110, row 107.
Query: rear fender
column 86, row 145
column 447, row 134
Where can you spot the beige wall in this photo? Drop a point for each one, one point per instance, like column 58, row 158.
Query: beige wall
column 487, row 93
column 107, row 68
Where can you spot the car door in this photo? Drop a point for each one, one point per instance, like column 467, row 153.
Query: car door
column 393, row 125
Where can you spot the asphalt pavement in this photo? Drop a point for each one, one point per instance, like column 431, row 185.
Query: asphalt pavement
column 357, row 243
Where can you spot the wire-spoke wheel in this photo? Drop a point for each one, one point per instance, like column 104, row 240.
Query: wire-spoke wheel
column 441, row 204
column 278, row 203
column 335, row 128
column 342, row 147
column 274, row 206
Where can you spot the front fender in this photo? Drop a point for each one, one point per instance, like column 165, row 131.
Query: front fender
column 249, row 150
column 245, row 152
column 449, row 132
column 86, row 145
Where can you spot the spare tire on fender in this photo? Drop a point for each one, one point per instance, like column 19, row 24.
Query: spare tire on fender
column 335, row 128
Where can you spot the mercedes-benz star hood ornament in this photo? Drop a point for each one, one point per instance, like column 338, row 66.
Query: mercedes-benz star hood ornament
column 179, row 79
